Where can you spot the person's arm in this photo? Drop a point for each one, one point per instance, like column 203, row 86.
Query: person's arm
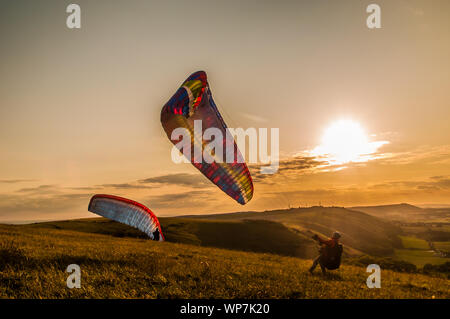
column 320, row 240
column 328, row 242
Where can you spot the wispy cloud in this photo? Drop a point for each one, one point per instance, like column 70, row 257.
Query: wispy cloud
column 182, row 200
column 17, row 206
column 16, row 181
column 300, row 179
column 293, row 166
column 125, row 186
column 432, row 154
column 46, row 189
column 180, row 179
column 433, row 183
column 83, row 188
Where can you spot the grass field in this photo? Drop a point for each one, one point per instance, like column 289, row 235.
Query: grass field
column 414, row 243
column 419, row 257
column 418, row 252
column 442, row 245
column 33, row 260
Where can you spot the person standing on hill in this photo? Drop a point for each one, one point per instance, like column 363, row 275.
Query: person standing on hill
column 156, row 234
column 330, row 253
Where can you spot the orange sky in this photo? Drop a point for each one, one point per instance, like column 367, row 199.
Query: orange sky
column 79, row 109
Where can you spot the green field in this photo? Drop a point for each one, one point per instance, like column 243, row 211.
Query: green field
column 33, row 260
column 414, row 243
column 418, row 252
column 419, row 257
column 442, row 245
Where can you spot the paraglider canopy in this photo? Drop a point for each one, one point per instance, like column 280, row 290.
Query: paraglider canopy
column 191, row 103
column 128, row 212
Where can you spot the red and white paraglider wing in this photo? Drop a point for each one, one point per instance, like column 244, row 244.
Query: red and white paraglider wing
column 128, row 212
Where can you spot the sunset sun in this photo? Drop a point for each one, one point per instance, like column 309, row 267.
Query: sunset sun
column 346, row 141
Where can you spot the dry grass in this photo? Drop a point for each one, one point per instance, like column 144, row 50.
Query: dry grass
column 33, row 261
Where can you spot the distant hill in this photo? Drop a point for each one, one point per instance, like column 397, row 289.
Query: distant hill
column 406, row 213
column 361, row 232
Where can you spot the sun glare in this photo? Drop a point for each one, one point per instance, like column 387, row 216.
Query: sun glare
column 345, row 141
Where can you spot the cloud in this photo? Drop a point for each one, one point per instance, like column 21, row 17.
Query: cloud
column 433, row 183
column 16, row 206
column 16, row 181
column 295, row 182
column 125, row 186
column 55, row 201
column 425, row 154
column 182, row 200
column 293, row 166
column 46, row 189
column 180, row 179
column 352, row 196
column 83, row 188
column 43, row 202
column 301, row 163
column 441, row 182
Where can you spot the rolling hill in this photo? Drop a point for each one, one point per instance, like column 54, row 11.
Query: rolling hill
column 361, row 233
column 406, row 213
column 237, row 255
column 34, row 258
column 284, row 232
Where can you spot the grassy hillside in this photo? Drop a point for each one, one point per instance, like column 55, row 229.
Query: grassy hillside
column 361, row 232
column 246, row 235
column 285, row 232
column 33, row 260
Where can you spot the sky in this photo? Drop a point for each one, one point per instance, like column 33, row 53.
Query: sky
column 80, row 108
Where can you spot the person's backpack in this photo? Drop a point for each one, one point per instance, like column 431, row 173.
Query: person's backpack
column 332, row 256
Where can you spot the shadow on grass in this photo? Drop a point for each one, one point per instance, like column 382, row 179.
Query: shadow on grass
column 328, row 276
column 332, row 276
column 13, row 255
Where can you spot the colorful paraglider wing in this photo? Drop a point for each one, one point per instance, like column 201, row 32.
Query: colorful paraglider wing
column 192, row 102
column 127, row 212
